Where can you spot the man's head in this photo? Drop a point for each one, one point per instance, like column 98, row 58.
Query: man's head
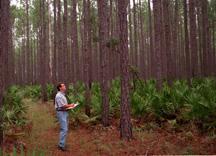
column 61, row 87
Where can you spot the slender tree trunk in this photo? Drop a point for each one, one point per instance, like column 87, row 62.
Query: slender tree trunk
column 213, row 46
column 4, row 48
column 43, row 51
column 152, row 56
column 193, row 38
column 49, row 42
column 187, row 50
column 207, row 59
column 125, row 119
column 27, row 44
column 131, row 58
column 60, row 52
column 143, row 49
column 65, row 51
column 158, row 47
column 74, row 44
column 166, row 10
column 176, row 54
column 86, row 54
column 54, row 65
column 135, row 63
column 163, row 41
column 104, row 35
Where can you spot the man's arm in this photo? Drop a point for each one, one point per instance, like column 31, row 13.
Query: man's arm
column 62, row 103
column 69, row 105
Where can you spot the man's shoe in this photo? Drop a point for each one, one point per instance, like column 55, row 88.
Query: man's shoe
column 62, row 149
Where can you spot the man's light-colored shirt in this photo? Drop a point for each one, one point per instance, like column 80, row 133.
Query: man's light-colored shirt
column 60, row 100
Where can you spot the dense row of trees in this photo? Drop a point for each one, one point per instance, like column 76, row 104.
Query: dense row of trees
column 168, row 39
column 82, row 40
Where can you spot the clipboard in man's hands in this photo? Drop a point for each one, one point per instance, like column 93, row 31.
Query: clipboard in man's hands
column 72, row 107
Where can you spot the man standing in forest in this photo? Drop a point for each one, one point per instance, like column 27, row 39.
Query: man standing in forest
column 61, row 106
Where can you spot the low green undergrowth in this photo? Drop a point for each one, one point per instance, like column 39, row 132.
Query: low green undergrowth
column 178, row 102
column 13, row 111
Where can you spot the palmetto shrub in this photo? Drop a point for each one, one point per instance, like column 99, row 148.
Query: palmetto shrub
column 50, row 91
column 13, row 111
column 179, row 101
column 142, row 97
column 115, row 96
column 33, row 92
column 96, row 99
column 169, row 101
column 202, row 103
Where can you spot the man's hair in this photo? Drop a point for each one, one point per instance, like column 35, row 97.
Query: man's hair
column 59, row 86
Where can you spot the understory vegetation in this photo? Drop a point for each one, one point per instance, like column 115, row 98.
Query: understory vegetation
column 179, row 103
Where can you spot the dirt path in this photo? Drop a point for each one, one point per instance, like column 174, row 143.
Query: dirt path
column 96, row 140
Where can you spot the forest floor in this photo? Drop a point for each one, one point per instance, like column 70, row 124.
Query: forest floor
column 96, row 140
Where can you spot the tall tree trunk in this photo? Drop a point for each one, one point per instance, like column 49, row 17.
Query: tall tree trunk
column 135, row 63
column 86, row 55
column 193, row 38
column 131, row 58
column 176, row 54
column 143, row 56
column 74, row 44
column 125, row 119
column 104, row 35
column 152, row 56
column 205, row 39
column 4, row 48
column 213, row 46
column 60, row 52
column 54, row 65
column 166, row 11
column 158, row 47
column 187, row 50
column 27, row 45
column 65, row 51
column 43, row 50
column 49, row 42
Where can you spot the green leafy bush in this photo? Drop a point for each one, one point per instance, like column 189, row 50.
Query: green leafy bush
column 96, row 99
column 50, row 91
column 115, row 96
column 202, row 103
column 142, row 97
column 169, row 101
column 13, row 111
column 76, row 93
column 33, row 92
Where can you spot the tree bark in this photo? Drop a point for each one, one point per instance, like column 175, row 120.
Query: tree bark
column 54, row 64
column 86, row 54
column 158, row 47
column 4, row 48
column 43, row 51
column 74, row 44
column 65, row 52
column 104, row 36
column 193, row 38
column 187, row 50
column 152, row 56
column 166, row 11
column 125, row 119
